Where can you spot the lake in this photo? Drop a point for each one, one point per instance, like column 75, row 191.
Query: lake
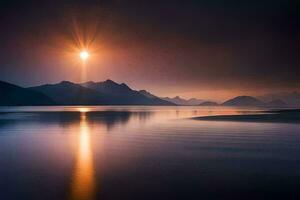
column 144, row 152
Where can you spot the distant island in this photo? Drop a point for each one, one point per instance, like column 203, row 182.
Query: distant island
column 111, row 93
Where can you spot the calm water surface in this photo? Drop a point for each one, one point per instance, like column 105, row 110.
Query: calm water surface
column 88, row 153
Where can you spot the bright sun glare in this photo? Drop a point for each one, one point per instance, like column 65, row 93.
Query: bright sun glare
column 84, row 55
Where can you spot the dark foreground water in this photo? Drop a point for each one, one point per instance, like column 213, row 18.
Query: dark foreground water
column 155, row 153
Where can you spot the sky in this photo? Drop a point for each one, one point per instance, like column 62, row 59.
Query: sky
column 209, row 49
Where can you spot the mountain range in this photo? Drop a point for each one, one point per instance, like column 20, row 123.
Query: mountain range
column 111, row 93
column 292, row 99
column 208, row 103
column 184, row 102
column 252, row 101
column 96, row 93
column 12, row 95
column 238, row 101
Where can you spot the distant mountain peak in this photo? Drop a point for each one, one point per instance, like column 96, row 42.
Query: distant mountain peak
column 192, row 99
column 276, row 103
column 65, row 82
column 181, row 101
column 124, row 94
column 90, row 82
column 245, row 97
column 144, row 91
column 209, row 103
column 179, row 98
column 292, row 99
column 109, row 81
column 108, row 86
column 125, row 85
column 243, row 101
column 147, row 94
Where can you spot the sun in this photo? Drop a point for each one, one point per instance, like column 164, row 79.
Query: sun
column 84, row 55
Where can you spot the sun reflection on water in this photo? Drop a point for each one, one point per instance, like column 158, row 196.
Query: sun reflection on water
column 83, row 181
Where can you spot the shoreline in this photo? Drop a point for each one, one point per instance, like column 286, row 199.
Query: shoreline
column 276, row 116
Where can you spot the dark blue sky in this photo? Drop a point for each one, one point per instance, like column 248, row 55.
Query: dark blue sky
column 190, row 48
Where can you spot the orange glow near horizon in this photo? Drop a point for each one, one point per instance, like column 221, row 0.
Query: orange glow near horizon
column 83, row 110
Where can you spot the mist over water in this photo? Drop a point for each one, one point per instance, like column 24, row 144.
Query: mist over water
column 137, row 152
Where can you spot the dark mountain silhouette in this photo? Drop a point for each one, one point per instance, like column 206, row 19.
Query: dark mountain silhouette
column 68, row 93
column 208, row 103
column 251, row 101
column 276, row 104
column 155, row 98
column 243, row 101
column 292, row 99
column 177, row 100
column 108, row 87
column 14, row 95
column 121, row 94
column 111, row 93
column 194, row 101
column 147, row 94
column 100, row 93
column 180, row 101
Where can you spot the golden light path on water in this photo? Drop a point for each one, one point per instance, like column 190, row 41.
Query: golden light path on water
column 83, row 181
